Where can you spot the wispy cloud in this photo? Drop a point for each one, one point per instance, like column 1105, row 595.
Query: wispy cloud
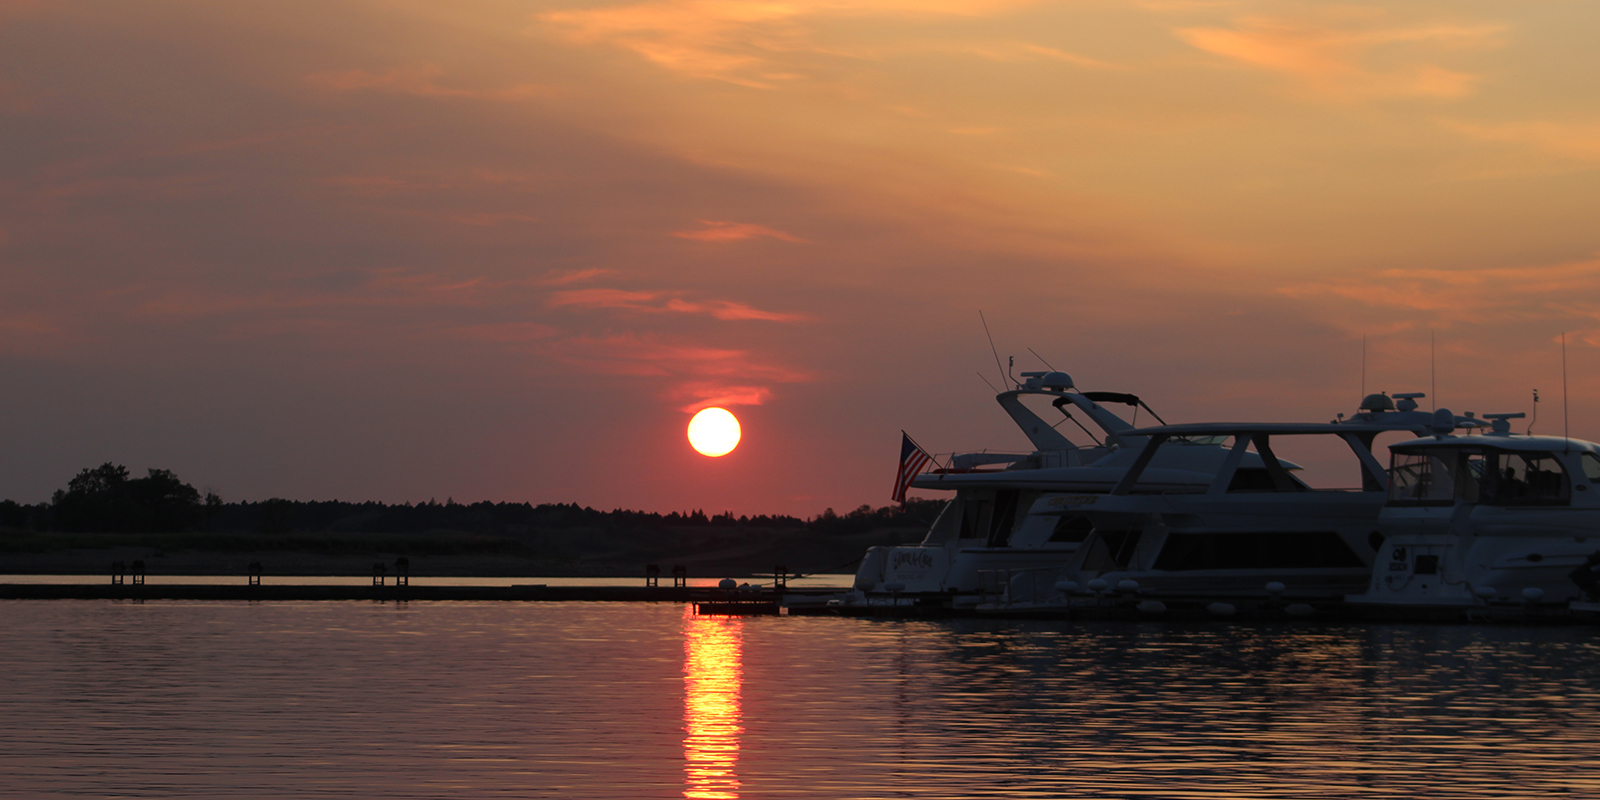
column 715, row 231
column 1349, row 53
column 745, row 42
column 662, row 302
column 1491, row 296
column 703, row 375
column 419, row 81
column 569, row 277
column 706, row 395
column 1568, row 141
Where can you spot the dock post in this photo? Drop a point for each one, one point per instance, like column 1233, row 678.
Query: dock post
column 255, row 573
column 377, row 573
column 652, row 575
column 402, row 571
column 117, row 568
column 138, row 573
column 680, row 576
column 780, row 579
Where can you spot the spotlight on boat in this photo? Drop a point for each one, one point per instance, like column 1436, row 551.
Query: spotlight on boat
column 1098, row 585
column 1275, row 588
column 1127, row 585
column 1066, row 587
column 894, row 588
column 1152, row 607
column 727, row 583
column 1533, row 594
column 1222, row 609
column 1485, row 592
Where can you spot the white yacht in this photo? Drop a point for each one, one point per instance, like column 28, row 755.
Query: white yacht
column 1253, row 532
column 985, row 532
column 1494, row 520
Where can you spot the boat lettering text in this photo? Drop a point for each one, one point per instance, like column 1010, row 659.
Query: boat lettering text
column 913, row 558
column 1075, row 500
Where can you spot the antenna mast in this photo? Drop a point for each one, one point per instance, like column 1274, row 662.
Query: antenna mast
column 1566, row 432
column 991, row 346
column 1433, row 376
column 1363, row 365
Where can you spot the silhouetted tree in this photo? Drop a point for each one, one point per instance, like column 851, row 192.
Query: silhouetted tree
column 276, row 515
column 106, row 499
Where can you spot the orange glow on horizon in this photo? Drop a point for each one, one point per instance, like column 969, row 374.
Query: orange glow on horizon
column 712, row 674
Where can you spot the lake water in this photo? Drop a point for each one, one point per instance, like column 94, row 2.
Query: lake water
column 626, row 700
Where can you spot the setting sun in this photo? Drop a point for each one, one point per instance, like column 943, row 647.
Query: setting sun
column 714, row 432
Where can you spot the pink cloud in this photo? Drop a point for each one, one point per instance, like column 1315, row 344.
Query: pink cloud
column 1498, row 295
column 605, row 298
column 735, row 231
column 1332, row 54
column 703, row 374
column 723, row 396
column 659, row 302
column 558, row 278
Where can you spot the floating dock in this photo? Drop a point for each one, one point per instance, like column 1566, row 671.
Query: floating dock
column 520, row 592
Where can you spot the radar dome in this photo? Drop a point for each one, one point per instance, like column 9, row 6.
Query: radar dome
column 1056, row 380
column 1377, row 402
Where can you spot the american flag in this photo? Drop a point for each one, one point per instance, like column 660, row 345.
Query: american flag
column 912, row 460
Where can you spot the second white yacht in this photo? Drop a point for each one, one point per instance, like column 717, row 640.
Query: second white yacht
column 1480, row 524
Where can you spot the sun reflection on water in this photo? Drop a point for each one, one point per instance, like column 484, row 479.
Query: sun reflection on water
column 711, row 679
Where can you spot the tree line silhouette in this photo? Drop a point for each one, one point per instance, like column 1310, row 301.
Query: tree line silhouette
column 105, row 499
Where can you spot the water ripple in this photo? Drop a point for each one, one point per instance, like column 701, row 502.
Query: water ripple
column 490, row 700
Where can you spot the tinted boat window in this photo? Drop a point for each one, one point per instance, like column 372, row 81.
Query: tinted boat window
column 1004, row 517
column 1591, row 467
column 975, row 515
column 1071, row 529
column 1416, row 478
column 1514, row 479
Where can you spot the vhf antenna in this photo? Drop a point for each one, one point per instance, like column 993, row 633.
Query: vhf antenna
column 1566, row 432
column 991, row 346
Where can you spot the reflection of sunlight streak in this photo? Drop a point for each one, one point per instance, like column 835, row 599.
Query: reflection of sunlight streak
column 711, row 677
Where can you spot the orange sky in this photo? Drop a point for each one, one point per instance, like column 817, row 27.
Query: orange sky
column 495, row 250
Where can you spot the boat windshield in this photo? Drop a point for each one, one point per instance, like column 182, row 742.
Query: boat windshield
column 1419, row 479
column 1511, row 479
column 1488, row 476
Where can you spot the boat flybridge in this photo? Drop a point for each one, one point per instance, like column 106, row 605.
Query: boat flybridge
column 1252, row 532
column 986, row 530
column 1486, row 521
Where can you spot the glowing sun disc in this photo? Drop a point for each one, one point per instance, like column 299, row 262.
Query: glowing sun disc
column 714, row 432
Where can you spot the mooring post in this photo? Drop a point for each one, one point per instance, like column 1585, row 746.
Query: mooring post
column 255, row 573
column 402, row 571
column 117, row 568
column 377, row 573
column 652, row 575
column 780, row 579
column 138, row 573
column 680, row 576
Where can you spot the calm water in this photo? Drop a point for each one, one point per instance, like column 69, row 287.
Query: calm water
column 426, row 700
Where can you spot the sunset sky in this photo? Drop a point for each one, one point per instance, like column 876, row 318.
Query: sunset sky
column 503, row 250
